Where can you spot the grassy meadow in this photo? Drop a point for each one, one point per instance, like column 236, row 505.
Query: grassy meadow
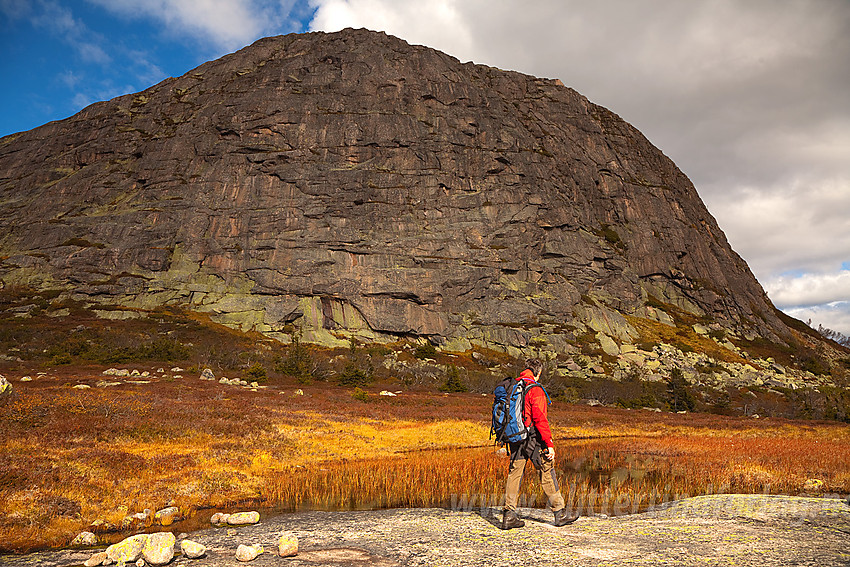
column 69, row 457
column 317, row 434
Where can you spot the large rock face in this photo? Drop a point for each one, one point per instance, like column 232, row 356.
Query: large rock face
column 350, row 183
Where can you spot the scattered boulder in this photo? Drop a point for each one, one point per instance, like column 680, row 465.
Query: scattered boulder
column 608, row 345
column 207, row 374
column 84, row 538
column 243, row 518
column 128, row 550
column 96, row 559
column 386, row 393
column 248, row 552
column 166, row 516
column 26, row 379
column 192, row 549
column 287, row 545
column 219, row 518
column 102, row 526
column 106, row 384
column 159, row 548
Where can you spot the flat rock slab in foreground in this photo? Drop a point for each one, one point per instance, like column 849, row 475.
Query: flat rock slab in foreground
column 714, row 530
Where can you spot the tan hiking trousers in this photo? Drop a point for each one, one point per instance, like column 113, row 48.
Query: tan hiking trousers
column 546, row 475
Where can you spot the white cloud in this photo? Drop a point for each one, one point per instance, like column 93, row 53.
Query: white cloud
column 415, row 22
column 806, row 290
column 225, row 24
column 70, row 79
column 801, row 225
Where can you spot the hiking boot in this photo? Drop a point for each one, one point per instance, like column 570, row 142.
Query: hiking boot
column 563, row 517
column 511, row 520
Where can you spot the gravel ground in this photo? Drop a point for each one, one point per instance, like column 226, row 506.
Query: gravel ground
column 738, row 530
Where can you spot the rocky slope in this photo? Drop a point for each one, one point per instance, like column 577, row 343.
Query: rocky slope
column 350, row 184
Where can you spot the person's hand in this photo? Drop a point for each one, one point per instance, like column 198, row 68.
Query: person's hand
column 550, row 454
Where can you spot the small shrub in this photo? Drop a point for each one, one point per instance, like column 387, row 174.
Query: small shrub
column 814, row 364
column 360, row 395
column 425, row 351
column 378, row 350
column 298, row 363
column 258, row 372
column 60, row 359
column 717, row 334
column 679, row 397
column 353, row 375
column 611, row 236
column 453, row 381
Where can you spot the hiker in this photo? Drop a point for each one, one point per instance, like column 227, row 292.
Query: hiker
column 537, row 448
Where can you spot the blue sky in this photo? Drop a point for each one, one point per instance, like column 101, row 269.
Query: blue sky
column 60, row 56
column 748, row 97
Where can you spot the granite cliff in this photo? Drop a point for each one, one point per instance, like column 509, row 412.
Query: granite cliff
column 350, row 184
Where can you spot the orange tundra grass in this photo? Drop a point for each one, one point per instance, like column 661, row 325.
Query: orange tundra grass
column 69, row 457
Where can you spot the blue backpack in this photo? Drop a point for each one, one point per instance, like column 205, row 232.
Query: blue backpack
column 508, row 403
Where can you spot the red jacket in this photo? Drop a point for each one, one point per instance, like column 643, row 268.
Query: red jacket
column 536, row 410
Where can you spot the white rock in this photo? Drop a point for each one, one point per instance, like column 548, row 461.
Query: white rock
column 219, row 518
column 298, row 392
column 160, row 370
column 128, row 550
column 248, row 552
column 207, row 374
column 122, row 372
column 177, row 369
column 105, row 384
column 141, row 563
column 135, row 373
column 255, row 385
column 386, row 393
column 159, row 548
column 177, row 376
column 192, row 549
column 224, row 381
column 243, row 518
column 166, row 516
column 287, row 545
column 85, row 538
column 26, row 379
column 145, row 374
